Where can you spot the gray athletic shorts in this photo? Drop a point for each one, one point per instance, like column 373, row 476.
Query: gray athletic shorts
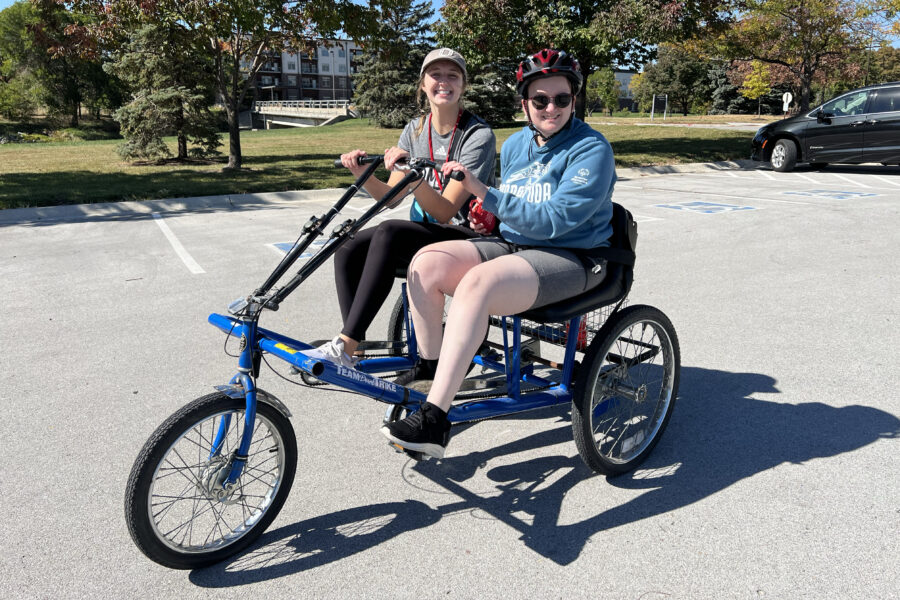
column 561, row 273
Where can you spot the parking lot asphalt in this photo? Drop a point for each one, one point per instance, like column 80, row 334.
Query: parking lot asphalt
column 778, row 476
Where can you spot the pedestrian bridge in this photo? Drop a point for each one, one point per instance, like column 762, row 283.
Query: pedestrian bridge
column 300, row 113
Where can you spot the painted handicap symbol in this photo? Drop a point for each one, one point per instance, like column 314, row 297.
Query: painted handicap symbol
column 706, row 208
column 832, row 194
column 313, row 248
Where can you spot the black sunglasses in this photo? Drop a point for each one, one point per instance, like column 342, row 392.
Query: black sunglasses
column 541, row 101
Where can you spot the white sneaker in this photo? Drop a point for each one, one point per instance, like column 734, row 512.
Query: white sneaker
column 333, row 351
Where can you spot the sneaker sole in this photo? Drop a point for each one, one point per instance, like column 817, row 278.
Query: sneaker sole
column 433, row 450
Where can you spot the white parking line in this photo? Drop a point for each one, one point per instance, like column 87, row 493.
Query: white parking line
column 878, row 177
column 851, row 181
column 767, row 175
column 718, row 195
column 802, row 176
column 189, row 262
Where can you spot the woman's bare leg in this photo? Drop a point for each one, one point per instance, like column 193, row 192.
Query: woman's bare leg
column 434, row 271
column 503, row 286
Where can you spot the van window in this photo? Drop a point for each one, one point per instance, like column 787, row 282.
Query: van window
column 887, row 100
column 851, row 104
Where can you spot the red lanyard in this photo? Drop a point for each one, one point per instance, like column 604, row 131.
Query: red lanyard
column 449, row 146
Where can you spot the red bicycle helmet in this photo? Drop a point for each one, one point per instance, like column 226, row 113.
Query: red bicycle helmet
column 547, row 63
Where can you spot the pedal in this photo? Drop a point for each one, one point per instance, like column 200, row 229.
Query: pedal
column 416, row 456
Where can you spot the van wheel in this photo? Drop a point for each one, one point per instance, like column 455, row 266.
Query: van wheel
column 784, row 156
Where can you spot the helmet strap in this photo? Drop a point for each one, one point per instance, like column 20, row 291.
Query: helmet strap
column 537, row 132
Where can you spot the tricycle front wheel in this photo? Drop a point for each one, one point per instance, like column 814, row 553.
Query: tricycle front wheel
column 626, row 389
column 178, row 513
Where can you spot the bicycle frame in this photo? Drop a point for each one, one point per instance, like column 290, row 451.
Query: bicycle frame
column 256, row 340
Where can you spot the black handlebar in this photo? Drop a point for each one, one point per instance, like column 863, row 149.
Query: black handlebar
column 363, row 160
column 415, row 163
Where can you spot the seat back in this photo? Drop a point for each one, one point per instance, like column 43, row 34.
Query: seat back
column 614, row 287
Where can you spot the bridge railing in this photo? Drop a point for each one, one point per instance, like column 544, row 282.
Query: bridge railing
column 267, row 105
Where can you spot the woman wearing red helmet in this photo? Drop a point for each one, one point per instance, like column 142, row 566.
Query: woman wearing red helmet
column 554, row 203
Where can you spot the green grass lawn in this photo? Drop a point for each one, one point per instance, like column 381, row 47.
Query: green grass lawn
column 286, row 159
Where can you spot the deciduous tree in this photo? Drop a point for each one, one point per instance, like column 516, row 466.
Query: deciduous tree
column 600, row 33
column 757, row 84
column 803, row 36
column 237, row 36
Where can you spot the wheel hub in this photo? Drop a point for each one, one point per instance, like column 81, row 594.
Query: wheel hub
column 211, row 481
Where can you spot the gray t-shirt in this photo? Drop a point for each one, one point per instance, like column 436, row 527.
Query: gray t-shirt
column 474, row 145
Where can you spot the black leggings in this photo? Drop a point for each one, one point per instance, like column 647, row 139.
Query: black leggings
column 365, row 267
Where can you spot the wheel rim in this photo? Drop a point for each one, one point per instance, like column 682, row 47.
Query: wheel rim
column 633, row 391
column 183, row 512
column 778, row 156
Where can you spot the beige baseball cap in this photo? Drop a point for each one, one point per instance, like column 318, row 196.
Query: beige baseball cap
column 445, row 54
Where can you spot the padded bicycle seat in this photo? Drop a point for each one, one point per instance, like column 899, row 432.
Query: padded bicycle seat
column 613, row 288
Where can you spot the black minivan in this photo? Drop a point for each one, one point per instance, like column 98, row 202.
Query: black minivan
column 862, row 126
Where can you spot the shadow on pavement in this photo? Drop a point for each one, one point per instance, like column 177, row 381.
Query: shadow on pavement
column 719, row 434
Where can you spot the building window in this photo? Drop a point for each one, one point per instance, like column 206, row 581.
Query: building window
column 341, row 52
column 342, row 68
column 308, row 82
column 341, row 82
column 326, row 68
column 292, row 66
column 292, row 80
column 324, row 52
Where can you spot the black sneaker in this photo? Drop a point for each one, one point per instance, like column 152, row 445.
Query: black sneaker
column 427, row 431
column 424, row 369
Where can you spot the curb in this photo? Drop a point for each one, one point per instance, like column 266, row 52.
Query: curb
column 110, row 211
column 727, row 165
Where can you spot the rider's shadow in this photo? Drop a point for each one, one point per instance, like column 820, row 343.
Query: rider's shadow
column 720, row 433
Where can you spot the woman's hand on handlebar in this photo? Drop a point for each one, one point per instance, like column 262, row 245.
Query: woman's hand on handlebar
column 351, row 161
column 471, row 183
column 394, row 155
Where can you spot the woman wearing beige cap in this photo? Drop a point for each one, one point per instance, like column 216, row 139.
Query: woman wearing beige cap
column 364, row 267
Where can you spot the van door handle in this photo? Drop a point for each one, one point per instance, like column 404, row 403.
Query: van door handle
column 872, row 122
column 855, row 123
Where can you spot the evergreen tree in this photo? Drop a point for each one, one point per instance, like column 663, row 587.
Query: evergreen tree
column 488, row 96
column 173, row 89
column 386, row 86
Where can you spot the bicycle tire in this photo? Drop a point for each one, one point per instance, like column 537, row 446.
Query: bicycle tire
column 626, row 389
column 191, row 528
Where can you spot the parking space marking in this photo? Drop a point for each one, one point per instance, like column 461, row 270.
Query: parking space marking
column 706, row 208
column 847, row 179
column 186, row 258
column 285, row 247
column 878, row 177
column 831, row 194
column 718, row 195
column 768, row 176
column 802, row 176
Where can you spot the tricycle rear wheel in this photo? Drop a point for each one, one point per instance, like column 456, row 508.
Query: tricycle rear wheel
column 626, row 389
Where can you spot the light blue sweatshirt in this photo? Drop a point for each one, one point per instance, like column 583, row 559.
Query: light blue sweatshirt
column 559, row 194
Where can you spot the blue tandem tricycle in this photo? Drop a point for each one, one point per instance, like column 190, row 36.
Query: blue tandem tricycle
column 215, row 474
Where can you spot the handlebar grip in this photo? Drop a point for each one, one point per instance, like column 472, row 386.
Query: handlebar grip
column 362, row 160
column 457, row 175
